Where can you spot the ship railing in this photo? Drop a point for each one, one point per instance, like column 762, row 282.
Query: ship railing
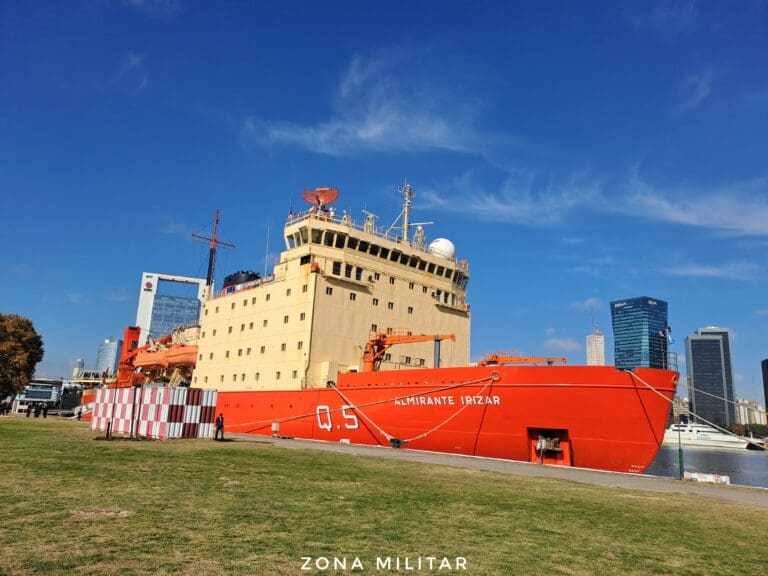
column 244, row 286
column 349, row 222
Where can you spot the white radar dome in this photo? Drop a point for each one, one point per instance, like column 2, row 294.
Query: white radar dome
column 442, row 247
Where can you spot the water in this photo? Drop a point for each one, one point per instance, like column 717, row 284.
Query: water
column 745, row 467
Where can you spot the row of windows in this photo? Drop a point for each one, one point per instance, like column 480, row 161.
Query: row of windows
column 242, row 377
column 341, row 240
column 358, row 272
column 375, row 301
column 267, row 298
column 264, row 324
column 247, row 351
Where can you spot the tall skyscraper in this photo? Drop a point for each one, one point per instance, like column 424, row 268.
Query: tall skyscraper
column 109, row 356
column 710, row 375
column 764, row 365
column 161, row 313
column 640, row 333
column 596, row 348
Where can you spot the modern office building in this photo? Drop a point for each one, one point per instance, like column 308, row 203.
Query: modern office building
column 160, row 311
column 640, row 332
column 109, row 356
column 764, row 365
column 710, row 375
column 596, row 348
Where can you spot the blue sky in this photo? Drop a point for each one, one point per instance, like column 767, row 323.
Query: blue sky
column 575, row 153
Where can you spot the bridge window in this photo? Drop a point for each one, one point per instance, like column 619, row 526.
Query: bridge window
column 316, row 236
column 340, row 238
column 352, row 243
column 384, row 253
column 328, row 238
column 336, row 268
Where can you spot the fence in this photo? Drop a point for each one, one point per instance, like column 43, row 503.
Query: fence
column 156, row 412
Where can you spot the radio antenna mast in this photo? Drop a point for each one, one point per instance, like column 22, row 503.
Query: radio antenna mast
column 215, row 243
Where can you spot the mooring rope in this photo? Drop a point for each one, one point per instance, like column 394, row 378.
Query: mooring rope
column 689, row 411
column 494, row 377
column 396, row 443
column 256, row 423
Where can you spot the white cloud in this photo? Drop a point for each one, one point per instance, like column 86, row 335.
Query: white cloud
column 565, row 344
column 667, row 14
column 376, row 108
column 732, row 270
column 694, row 89
column 739, row 209
column 588, row 304
column 763, row 312
column 550, row 331
column 131, row 73
column 524, row 197
column 736, row 209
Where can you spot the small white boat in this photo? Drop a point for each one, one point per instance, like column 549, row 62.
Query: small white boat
column 703, row 436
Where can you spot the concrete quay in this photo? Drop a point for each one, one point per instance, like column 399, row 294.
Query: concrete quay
column 730, row 494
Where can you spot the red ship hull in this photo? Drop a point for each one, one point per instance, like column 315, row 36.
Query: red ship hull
column 589, row 417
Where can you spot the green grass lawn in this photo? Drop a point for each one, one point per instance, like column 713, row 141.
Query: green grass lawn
column 70, row 504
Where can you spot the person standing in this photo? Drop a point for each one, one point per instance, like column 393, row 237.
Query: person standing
column 219, row 427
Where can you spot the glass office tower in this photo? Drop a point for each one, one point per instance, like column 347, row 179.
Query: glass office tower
column 640, row 333
column 710, row 375
column 170, row 312
column 109, row 356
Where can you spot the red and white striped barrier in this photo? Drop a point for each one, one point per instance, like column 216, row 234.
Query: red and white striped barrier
column 156, row 412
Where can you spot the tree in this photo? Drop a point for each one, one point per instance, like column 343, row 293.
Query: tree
column 21, row 348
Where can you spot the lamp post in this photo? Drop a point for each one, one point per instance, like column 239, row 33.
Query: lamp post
column 679, row 450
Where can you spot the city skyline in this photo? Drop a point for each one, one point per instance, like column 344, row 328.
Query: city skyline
column 574, row 155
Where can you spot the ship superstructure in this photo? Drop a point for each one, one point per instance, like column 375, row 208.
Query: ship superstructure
column 337, row 282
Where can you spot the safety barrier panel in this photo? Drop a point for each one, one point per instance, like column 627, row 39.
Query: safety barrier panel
column 156, row 412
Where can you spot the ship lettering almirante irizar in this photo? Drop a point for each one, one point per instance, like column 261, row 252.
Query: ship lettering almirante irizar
column 360, row 335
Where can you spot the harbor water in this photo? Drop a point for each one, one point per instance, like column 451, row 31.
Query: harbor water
column 744, row 467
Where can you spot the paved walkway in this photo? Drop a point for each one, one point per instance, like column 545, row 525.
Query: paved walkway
column 741, row 495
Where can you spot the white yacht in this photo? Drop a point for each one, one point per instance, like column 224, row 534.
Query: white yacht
column 703, row 436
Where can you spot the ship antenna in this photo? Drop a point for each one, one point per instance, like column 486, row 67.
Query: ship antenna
column 215, row 243
column 266, row 251
column 405, row 214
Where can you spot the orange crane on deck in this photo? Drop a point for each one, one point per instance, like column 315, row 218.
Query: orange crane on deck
column 380, row 342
